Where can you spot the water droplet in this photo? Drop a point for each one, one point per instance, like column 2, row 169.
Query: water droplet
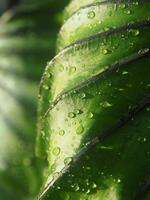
column 67, row 160
column 136, row 32
column 106, row 104
column 83, row 95
column 124, row 72
column 105, row 51
column 48, row 75
column 88, row 191
column 72, row 70
column 56, row 151
column 61, row 68
column 90, row 115
column 42, row 133
column 76, row 187
column 121, row 89
column 94, row 185
column 78, row 112
column 128, row 12
column 71, row 115
column 118, row 180
column 53, row 168
column 80, row 130
column 61, row 132
column 122, row 6
column 45, row 87
column 91, row 14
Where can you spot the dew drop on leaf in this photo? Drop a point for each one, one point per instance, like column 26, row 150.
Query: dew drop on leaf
column 123, row 6
column 61, row 68
column 91, row 14
column 45, row 87
column 80, row 130
column 136, row 32
column 42, row 133
column 78, row 111
column 61, row 132
column 118, row 180
column 105, row 51
column 76, row 187
column 90, row 115
column 124, row 72
column 67, row 160
column 94, row 185
column 72, row 70
column 71, row 115
column 56, row 151
column 128, row 12
column 53, row 168
column 83, row 95
column 106, row 104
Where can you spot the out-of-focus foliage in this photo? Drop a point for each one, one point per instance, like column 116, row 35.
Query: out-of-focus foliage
column 27, row 41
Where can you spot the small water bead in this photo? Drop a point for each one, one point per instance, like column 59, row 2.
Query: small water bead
column 136, row 32
column 56, row 151
column 58, row 187
column 125, row 73
column 144, row 139
column 83, row 95
column 48, row 75
column 53, row 168
column 61, row 68
column 61, row 132
column 71, row 115
column 128, row 12
column 72, row 70
column 106, row 104
column 94, row 185
column 76, row 187
column 105, row 51
column 121, row 89
column 67, row 160
column 78, row 111
column 118, row 180
column 45, row 87
column 91, row 14
column 80, row 130
column 88, row 191
column 43, row 133
column 122, row 6
column 90, row 115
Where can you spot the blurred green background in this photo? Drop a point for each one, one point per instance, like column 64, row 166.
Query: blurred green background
column 28, row 31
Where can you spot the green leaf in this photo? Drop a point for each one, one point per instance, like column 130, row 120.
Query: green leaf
column 93, row 125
